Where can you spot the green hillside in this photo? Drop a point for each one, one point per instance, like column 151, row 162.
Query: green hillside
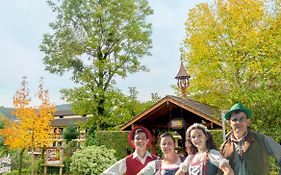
column 7, row 112
column 63, row 107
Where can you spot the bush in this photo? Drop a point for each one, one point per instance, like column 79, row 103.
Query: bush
column 116, row 140
column 15, row 172
column 26, row 168
column 68, row 151
column 92, row 160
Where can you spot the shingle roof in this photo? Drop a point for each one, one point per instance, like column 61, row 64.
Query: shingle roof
column 211, row 111
column 207, row 112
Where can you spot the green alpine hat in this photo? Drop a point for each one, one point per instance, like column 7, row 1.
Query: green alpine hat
column 238, row 107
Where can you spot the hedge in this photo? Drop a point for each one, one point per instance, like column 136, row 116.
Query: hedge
column 116, row 140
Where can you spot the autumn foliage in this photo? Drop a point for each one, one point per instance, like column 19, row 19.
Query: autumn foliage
column 232, row 51
column 32, row 127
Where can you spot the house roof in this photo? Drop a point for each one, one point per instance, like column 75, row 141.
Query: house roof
column 64, row 113
column 160, row 110
column 66, row 121
column 196, row 107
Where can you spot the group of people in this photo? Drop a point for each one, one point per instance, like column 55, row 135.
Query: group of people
column 245, row 152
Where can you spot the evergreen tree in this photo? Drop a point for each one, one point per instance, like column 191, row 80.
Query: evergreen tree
column 70, row 132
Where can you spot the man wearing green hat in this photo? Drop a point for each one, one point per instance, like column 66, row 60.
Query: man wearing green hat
column 248, row 150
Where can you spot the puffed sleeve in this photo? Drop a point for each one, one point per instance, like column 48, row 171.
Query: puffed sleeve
column 216, row 158
column 117, row 168
column 149, row 168
column 185, row 165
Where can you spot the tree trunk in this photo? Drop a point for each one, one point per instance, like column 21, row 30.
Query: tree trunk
column 42, row 158
column 32, row 161
column 20, row 161
column 100, row 112
column 32, row 153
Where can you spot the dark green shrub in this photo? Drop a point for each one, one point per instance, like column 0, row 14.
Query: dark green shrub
column 68, row 151
column 70, row 132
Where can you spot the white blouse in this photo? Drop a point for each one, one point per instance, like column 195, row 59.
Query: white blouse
column 214, row 157
column 151, row 167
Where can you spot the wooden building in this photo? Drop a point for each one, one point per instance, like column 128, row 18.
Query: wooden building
column 175, row 114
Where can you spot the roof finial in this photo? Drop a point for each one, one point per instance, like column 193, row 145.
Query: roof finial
column 183, row 79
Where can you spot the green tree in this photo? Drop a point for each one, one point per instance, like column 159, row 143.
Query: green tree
column 122, row 108
column 70, row 132
column 97, row 41
column 232, row 51
column 3, row 148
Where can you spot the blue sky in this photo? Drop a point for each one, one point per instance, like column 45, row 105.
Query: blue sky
column 23, row 23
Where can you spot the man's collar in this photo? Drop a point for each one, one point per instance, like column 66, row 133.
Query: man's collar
column 232, row 138
column 135, row 154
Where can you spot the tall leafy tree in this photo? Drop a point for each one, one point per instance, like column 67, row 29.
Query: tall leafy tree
column 97, row 41
column 31, row 129
column 232, row 51
column 122, row 108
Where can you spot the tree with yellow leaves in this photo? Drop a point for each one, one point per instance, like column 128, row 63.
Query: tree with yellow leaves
column 32, row 129
column 232, row 51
